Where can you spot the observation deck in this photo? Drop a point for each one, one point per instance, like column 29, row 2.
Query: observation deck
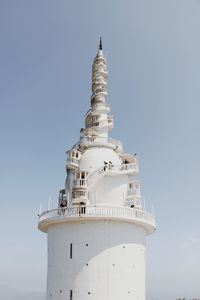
column 123, row 214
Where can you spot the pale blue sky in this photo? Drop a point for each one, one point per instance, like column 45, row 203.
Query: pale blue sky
column 153, row 53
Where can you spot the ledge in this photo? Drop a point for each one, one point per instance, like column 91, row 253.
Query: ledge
column 123, row 214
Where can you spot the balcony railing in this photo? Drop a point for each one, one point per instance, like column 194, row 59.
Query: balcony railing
column 99, row 64
column 130, row 168
column 133, row 193
column 130, row 214
column 72, row 160
column 90, row 140
column 80, row 183
column 100, row 72
column 98, row 98
column 98, row 82
column 98, row 107
column 100, row 123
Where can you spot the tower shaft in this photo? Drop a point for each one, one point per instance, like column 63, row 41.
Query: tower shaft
column 96, row 236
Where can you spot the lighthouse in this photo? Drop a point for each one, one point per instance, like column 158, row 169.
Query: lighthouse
column 96, row 235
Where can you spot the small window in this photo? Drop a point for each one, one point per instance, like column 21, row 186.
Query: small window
column 82, row 175
column 71, row 251
column 70, row 294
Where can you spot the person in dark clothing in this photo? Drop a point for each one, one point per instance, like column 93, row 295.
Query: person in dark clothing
column 105, row 165
column 63, row 206
column 82, row 208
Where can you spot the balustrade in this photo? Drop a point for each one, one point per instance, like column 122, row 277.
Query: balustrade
column 130, row 214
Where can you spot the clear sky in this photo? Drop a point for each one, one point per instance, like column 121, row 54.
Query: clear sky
column 153, row 53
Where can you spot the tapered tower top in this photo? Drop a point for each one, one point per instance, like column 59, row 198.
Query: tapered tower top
column 100, row 44
column 101, row 179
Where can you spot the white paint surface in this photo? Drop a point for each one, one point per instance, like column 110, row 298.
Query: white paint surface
column 115, row 256
column 104, row 225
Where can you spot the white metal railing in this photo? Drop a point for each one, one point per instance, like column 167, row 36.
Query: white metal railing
column 80, row 182
column 133, row 193
column 99, row 106
column 129, row 166
column 107, row 168
column 123, row 167
column 96, row 83
column 79, row 194
column 100, row 72
column 99, row 79
column 99, row 60
column 98, row 64
column 98, row 98
column 73, row 160
column 100, row 123
column 100, row 211
column 112, row 169
column 137, row 203
column 86, row 139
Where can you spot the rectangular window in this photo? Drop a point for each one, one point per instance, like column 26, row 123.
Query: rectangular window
column 71, row 295
column 71, row 251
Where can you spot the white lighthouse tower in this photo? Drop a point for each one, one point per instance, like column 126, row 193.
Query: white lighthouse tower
column 96, row 236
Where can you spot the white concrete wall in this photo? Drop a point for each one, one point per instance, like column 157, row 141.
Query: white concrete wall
column 94, row 157
column 108, row 261
column 110, row 190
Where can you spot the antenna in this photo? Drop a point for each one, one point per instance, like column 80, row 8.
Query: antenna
column 153, row 211
column 49, row 202
column 100, row 44
column 40, row 209
column 144, row 203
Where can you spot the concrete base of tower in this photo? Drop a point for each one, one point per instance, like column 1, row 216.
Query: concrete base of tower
column 97, row 260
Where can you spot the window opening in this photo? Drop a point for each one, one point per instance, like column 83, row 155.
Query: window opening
column 82, row 175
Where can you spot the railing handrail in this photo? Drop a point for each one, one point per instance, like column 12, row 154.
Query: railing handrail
column 98, row 210
column 93, row 139
column 97, row 123
column 111, row 167
column 72, row 159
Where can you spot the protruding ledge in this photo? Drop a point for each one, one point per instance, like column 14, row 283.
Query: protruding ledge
column 123, row 214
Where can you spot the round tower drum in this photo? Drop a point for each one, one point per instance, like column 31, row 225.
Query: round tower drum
column 98, row 260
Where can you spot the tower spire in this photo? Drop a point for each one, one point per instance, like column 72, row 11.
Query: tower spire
column 100, row 44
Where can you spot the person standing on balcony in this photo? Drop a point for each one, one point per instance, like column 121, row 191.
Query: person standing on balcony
column 105, row 166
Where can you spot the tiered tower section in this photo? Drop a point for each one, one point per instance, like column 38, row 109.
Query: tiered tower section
column 96, row 236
